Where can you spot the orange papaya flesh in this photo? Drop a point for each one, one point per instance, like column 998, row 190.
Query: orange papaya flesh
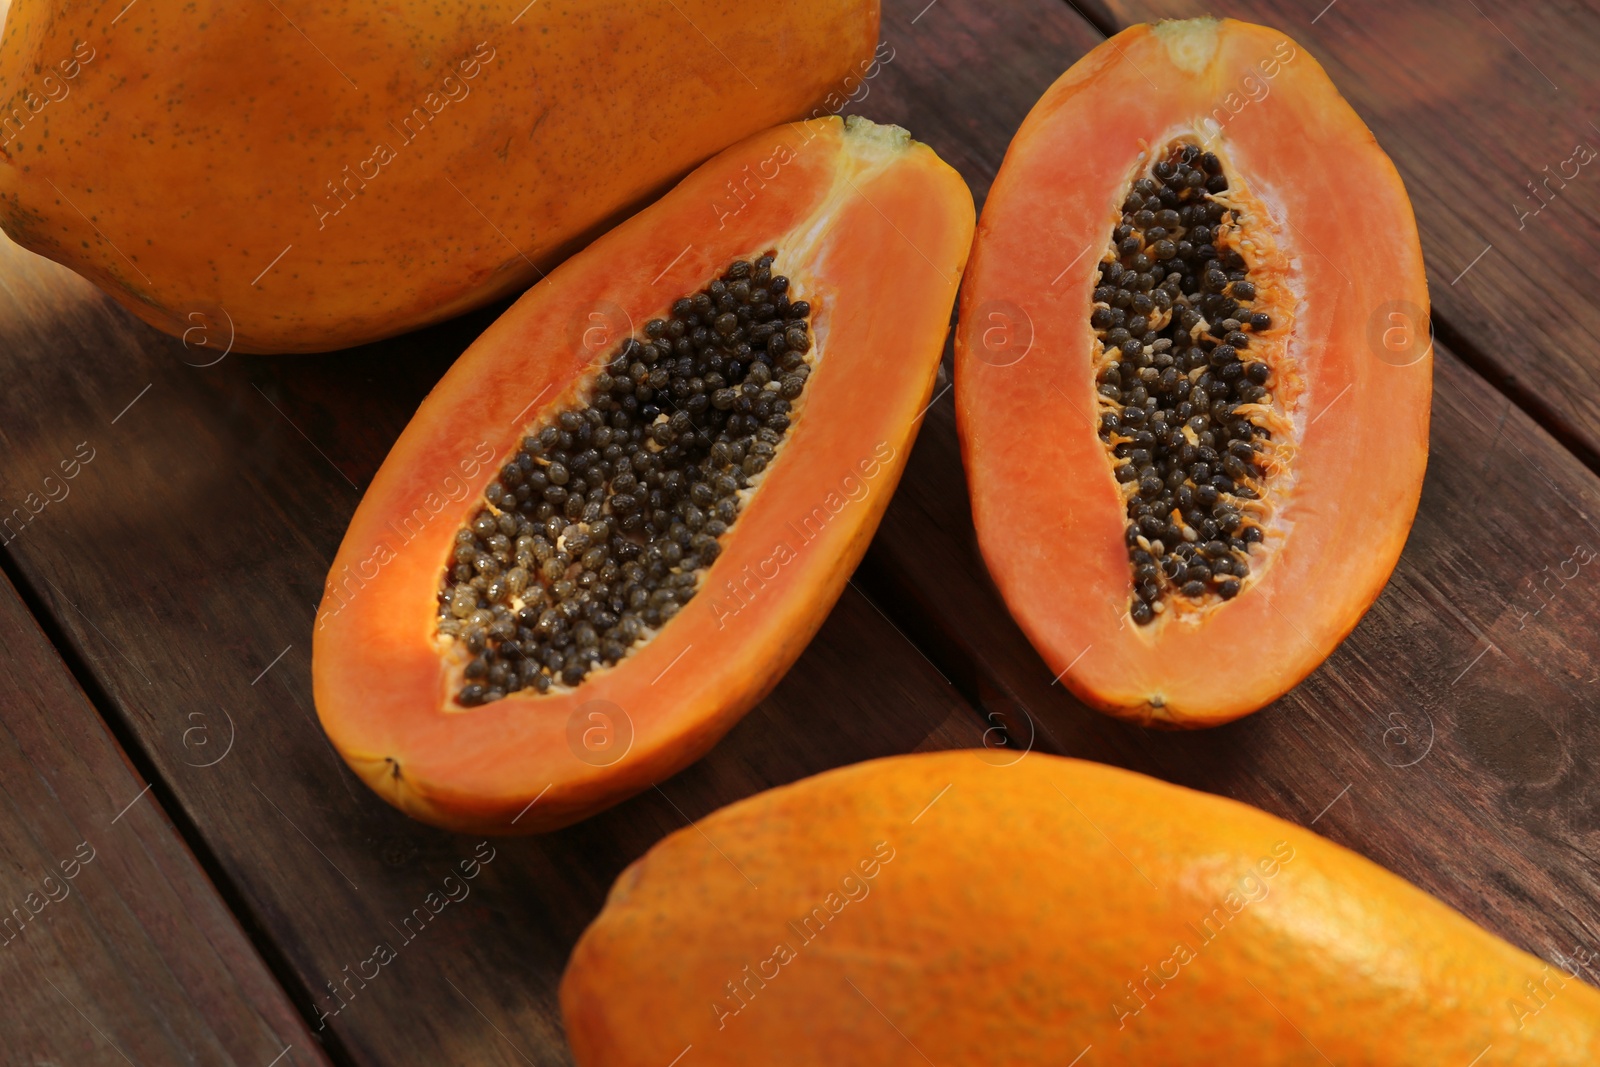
column 872, row 230
column 937, row 909
column 1193, row 372
column 401, row 169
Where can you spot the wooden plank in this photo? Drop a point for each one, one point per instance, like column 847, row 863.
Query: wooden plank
column 113, row 943
column 1482, row 108
column 183, row 562
column 1446, row 738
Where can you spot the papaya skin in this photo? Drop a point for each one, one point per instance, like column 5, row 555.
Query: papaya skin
column 970, row 914
column 1340, row 215
column 206, row 140
column 873, row 229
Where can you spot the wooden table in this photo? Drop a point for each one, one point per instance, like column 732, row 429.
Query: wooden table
column 157, row 734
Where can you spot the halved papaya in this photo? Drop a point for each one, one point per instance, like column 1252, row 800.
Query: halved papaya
column 303, row 177
column 620, row 516
column 937, row 909
column 1193, row 372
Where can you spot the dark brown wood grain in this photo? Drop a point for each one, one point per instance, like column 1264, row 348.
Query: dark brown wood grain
column 113, row 943
column 1449, row 737
column 182, row 567
column 1483, row 108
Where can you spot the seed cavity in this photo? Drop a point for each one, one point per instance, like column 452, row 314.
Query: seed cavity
column 1187, row 379
column 598, row 530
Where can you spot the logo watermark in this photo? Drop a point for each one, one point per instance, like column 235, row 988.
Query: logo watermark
column 599, row 733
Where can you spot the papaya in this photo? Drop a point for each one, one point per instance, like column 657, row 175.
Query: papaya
column 295, row 178
column 935, row 908
column 622, row 513
column 1193, row 372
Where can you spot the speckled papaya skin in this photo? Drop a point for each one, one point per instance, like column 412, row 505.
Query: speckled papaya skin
column 289, row 177
column 941, row 909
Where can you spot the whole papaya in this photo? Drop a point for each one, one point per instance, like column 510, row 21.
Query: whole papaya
column 939, row 909
column 294, row 177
